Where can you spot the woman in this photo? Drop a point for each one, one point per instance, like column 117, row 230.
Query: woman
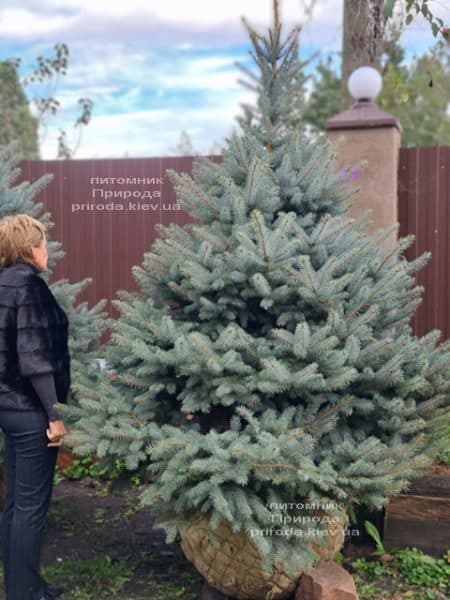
column 34, row 376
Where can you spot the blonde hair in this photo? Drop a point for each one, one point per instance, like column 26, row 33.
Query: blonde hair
column 18, row 234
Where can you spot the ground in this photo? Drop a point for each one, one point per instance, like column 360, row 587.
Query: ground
column 100, row 545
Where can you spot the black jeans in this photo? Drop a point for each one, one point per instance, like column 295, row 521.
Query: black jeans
column 30, row 467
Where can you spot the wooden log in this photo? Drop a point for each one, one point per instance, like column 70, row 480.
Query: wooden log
column 421, row 508
column 420, row 521
column 435, row 483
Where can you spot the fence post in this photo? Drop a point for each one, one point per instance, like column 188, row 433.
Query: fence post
column 366, row 133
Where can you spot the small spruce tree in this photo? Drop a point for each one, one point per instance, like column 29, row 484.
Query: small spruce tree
column 17, row 124
column 267, row 357
column 280, row 101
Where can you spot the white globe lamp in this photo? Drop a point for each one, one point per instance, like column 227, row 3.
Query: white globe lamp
column 364, row 84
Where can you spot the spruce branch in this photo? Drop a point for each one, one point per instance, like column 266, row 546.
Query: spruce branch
column 324, row 415
column 257, row 217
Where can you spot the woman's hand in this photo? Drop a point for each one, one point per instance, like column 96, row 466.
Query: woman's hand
column 55, row 432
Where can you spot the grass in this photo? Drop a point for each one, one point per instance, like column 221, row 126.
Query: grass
column 409, row 574
column 98, row 577
column 103, row 577
column 409, row 571
column 66, row 520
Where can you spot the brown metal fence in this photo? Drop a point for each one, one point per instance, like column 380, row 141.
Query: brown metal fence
column 105, row 212
column 423, row 207
column 104, row 241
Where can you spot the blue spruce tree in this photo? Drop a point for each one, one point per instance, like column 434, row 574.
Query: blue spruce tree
column 267, row 357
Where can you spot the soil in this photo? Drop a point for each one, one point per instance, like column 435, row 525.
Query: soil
column 85, row 521
column 88, row 523
column 113, row 525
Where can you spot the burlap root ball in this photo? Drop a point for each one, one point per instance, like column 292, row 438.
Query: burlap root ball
column 235, row 567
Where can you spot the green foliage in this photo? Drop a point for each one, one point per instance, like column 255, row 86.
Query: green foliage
column 86, row 466
column 267, row 358
column 420, row 569
column 17, row 125
column 83, row 467
column 417, row 95
column 67, row 522
column 411, row 573
column 375, row 535
column 99, row 576
column 414, row 8
column 444, row 456
column 373, row 569
column 47, row 70
column 57, row 477
column 324, row 101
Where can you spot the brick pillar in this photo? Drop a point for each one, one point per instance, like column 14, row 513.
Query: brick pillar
column 365, row 132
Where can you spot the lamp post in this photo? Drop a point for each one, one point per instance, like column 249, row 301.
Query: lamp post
column 364, row 84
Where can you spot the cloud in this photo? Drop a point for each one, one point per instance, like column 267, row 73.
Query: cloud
column 171, row 22
column 158, row 24
column 152, row 132
column 194, row 13
column 18, row 23
column 155, row 68
column 126, row 81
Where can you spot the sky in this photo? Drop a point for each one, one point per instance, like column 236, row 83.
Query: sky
column 155, row 68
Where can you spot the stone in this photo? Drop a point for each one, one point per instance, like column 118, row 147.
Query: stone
column 327, row 581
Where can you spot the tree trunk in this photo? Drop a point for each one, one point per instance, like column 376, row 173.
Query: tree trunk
column 362, row 39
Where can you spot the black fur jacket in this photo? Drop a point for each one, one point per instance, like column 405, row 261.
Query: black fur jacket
column 33, row 337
